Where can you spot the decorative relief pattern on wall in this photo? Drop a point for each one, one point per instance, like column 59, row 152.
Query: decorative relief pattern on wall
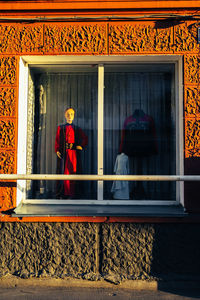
column 7, row 102
column 75, row 38
column 185, row 37
column 7, row 196
column 7, row 189
column 17, row 38
column 191, row 69
column 7, row 134
column 192, row 153
column 7, row 162
column 131, row 38
column 192, row 102
column 8, row 70
column 192, row 105
column 192, row 136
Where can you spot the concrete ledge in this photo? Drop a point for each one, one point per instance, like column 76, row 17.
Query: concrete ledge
column 10, row 281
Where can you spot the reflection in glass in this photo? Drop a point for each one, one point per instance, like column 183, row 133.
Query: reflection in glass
column 139, row 121
column 54, row 92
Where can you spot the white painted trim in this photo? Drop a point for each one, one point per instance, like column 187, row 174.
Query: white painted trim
column 177, row 125
column 180, row 129
column 100, row 202
column 100, row 128
column 97, row 59
column 22, row 129
column 94, row 177
column 61, row 60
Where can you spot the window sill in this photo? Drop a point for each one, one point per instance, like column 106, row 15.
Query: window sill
column 52, row 210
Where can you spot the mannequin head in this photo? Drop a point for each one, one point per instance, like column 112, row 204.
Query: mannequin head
column 69, row 115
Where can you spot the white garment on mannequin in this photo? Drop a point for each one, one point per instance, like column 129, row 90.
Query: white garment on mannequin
column 120, row 189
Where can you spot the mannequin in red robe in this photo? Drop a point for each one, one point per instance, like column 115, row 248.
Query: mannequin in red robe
column 70, row 140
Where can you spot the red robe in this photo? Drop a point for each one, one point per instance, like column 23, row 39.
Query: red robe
column 72, row 164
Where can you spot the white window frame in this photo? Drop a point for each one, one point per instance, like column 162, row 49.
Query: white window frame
column 61, row 61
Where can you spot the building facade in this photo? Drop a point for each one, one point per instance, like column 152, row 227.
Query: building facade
column 114, row 46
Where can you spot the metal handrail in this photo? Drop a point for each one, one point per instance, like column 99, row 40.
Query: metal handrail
column 93, row 177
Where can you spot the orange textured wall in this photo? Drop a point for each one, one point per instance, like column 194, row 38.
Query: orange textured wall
column 97, row 4
column 92, row 38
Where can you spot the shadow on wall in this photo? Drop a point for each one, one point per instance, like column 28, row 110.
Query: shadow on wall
column 191, row 189
column 185, row 289
column 175, row 258
column 177, row 246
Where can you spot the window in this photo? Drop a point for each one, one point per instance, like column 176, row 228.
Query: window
column 127, row 115
column 76, row 87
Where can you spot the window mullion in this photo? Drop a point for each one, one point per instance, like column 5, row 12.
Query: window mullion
column 100, row 128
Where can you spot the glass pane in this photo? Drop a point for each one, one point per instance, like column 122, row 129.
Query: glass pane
column 140, row 133
column 72, row 134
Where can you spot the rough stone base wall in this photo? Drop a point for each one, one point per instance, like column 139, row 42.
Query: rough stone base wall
column 93, row 251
